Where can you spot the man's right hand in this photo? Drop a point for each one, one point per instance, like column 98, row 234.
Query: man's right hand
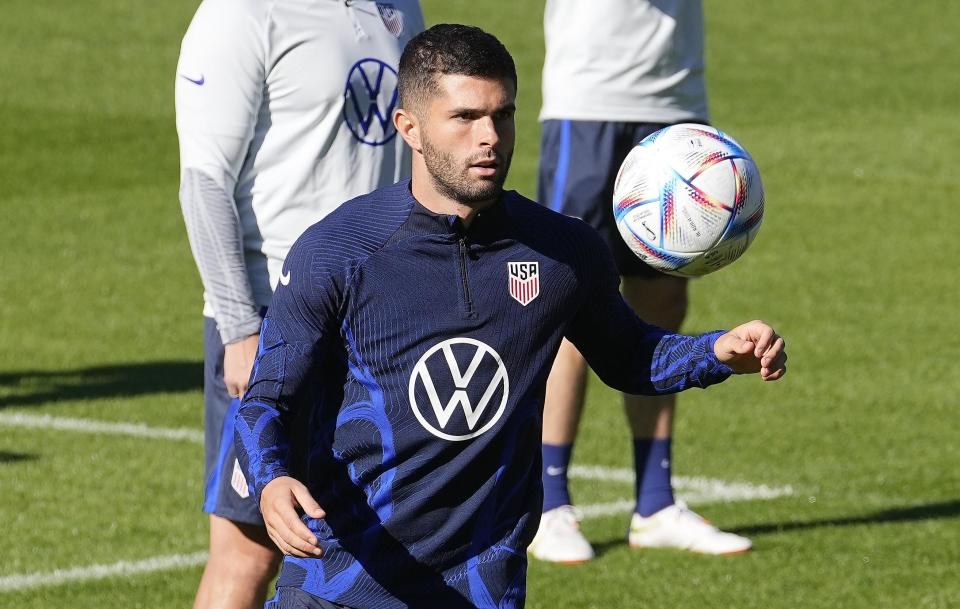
column 278, row 504
column 238, row 359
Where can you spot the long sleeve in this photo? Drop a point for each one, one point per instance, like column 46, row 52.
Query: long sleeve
column 219, row 88
column 631, row 355
column 296, row 338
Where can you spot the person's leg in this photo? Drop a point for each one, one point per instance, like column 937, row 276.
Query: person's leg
column 242, row 560
column 559, row 538
column 659, row 521
column 570, row 183
column 566, row 387
column 660, row 300
column 576, row 161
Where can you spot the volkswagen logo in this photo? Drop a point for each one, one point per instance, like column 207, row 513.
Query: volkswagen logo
column 369, row 100
column 456, row 402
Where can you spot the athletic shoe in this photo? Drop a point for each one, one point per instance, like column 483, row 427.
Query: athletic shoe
column 680, row 528
column 559, row 538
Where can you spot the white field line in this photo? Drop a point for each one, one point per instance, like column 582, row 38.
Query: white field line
column 138, row 430
column 692, row 489
column 697, row 489
column 599, row 510
column 626, row 506
column 13, row 583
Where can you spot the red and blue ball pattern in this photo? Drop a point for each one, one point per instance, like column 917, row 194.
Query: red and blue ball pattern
column 688, row 200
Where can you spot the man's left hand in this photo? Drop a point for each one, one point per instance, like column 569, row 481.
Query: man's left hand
column 753, row 347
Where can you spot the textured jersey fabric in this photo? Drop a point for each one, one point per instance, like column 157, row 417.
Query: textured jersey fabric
column 401, row 377
column 283, row 112
column 624, row 60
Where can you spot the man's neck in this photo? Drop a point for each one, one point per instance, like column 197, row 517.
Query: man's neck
column 427, row 195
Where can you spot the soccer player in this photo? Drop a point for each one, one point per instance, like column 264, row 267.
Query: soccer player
column 615, row 72
column 283, row 112
column 392, row 423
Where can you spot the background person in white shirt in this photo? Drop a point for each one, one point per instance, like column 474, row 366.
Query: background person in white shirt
column 283, row 112
column 615, row 72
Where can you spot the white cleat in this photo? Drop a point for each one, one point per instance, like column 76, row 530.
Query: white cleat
column 680, row 528
column 559, row 538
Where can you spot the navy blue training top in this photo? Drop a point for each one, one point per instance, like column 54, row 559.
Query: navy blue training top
column 401, row 376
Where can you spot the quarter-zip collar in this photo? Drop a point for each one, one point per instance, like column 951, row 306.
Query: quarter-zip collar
column 489, row 224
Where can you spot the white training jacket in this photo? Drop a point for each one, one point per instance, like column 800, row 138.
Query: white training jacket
column 283, row 113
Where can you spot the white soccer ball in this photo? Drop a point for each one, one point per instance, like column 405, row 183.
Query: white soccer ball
column 688, row 200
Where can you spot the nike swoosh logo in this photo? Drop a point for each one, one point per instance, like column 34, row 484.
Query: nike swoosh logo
column 199, row 82
column 555, row 471
column 285, row 278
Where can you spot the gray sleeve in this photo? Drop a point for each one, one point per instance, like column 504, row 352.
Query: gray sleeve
column 213, row 228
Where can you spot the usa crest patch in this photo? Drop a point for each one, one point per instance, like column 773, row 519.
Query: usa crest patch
column 392, row 18
column 524, row 281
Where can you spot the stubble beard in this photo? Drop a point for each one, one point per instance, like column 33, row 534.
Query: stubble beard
column 451, row 178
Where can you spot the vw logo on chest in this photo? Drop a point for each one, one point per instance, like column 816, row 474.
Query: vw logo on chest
column 459, row 389
column 369, row 98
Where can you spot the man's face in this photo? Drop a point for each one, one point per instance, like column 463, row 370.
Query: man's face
column 467, row 136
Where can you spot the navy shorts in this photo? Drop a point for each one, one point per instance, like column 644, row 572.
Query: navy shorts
column 579, row 161
column 294, row 598
column 226, row 490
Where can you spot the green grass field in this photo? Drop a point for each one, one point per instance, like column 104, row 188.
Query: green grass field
column 850, row 109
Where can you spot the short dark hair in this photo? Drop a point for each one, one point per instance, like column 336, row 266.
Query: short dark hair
column 450, row 48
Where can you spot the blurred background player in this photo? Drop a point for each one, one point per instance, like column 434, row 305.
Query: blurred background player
column 283, row 111
column 615, row 72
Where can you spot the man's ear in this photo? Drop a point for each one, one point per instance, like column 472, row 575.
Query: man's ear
column 408, row 126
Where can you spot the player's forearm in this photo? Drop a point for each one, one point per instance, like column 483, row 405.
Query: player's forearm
column 280, row 371
column 216, row 239
column 640, row 359
column 261, row 443
column 681, row 362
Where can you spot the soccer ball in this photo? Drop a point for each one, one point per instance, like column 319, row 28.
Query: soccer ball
column 688, row 200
